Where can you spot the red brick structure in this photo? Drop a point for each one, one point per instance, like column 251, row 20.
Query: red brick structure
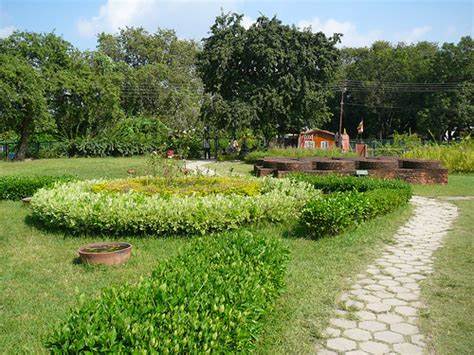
column 411, row 170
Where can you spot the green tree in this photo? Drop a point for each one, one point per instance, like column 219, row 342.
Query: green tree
column 22, row 102
column 279, row 72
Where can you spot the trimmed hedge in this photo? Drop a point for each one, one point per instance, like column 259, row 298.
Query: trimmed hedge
column 211, row 298
column 18, row 187
column 337, row 183
column 76, row 207
column 349, row 201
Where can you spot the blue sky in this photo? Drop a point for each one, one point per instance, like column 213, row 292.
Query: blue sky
column 362, row 22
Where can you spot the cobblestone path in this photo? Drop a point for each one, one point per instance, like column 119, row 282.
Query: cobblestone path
column 379, row 314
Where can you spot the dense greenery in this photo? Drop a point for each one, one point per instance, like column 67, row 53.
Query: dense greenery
column 76, row 207
column 294, row 153
column 183, row 186
column 211, row 298
column 15, row 187
column 269, row 77
column 349, row 201
column 457, row 157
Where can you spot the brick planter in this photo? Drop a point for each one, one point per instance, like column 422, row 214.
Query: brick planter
column 424, row 176
column 294, row 165
column 378, row 164
column 419, row 164
column 336, row 165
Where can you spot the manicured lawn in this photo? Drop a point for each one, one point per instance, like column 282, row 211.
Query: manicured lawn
column 40, row 278
column 231, row 167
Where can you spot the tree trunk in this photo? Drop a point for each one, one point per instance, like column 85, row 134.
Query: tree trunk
column 24, row 139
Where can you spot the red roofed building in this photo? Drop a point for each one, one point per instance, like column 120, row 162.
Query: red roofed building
column 317, row 138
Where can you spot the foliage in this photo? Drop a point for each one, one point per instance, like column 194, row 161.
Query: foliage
column 76, row 207
column 337, row 183
column 269, row 77
column 211, row 298
column 457, row 157
column 384, row 110
column 338, row 211
column 22, row 102
column 15, row 187
column 184, row 186
column 252, row 157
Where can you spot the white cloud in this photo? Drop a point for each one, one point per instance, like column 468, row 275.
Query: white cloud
column 247, row 22
column 416, row 34
column 351, row 36
column 150, row 14
column 6, row 31
column 115, row 14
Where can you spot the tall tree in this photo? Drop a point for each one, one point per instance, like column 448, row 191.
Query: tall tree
column 22, row 102
column 278, row 71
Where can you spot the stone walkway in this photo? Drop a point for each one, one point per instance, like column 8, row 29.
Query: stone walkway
column 200, row 166
column 379, row 314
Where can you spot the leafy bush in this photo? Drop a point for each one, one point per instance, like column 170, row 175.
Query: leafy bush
column 77, row 207
column 295, row 153
column 183, row 186
column 18, row 187
column 337, row 183
column 456, row 157
column 338, row 211
column 209, row 299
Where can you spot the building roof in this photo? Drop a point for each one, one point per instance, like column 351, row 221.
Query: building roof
column 315, row 131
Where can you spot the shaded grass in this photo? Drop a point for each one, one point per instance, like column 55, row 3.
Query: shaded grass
column 317, row 273
column 40, row 277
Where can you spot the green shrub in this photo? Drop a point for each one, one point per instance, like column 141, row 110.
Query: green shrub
column 337, row 183
column 456, row 157
column 211, row 298
column 184, row 186
column 18, row 187
column 76, row 207
column 339, row 211
column 295, row 153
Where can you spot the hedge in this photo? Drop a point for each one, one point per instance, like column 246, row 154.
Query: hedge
column 211, row 298
column 76, row 207
column 338, row 183
column 348, row 201
column 18, row 187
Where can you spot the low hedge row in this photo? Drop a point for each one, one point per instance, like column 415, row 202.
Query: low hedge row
column 348, row 202
column 76, row 207
column 338, row 183
column 17, row 187
column 209, row 299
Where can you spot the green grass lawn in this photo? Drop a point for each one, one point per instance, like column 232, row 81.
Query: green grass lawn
column 40, row 278
column 231, row 167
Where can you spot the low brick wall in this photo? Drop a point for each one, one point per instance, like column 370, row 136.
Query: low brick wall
column 414, row 171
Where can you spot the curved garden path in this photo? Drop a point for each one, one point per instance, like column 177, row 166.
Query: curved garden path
column 200, row 166
column 379, row 314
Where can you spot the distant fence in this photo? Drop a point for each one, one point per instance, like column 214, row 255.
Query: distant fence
column 34, row 150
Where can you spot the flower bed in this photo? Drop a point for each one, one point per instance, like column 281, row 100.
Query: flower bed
column 90, row 206
column 210, row 299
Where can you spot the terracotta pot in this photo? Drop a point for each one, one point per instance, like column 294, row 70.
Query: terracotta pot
column 105, row 257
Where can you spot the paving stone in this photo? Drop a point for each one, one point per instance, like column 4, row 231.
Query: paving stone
column 388, row 337
column 326, row 352
column 378, row 307
column 356, row 352
column 404, row 328
column 407, row 296
column 374, row 347
column 332, row 332
column 394, row 302
column 389, row 318
column 357, row 334
column 407, row 348
column 418, row 339
column 364, row 315
column 372, row 325
column 341, row 344
column 405, row 310
column 343, row 323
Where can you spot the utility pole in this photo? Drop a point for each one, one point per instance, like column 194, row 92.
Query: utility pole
column 339, row 143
